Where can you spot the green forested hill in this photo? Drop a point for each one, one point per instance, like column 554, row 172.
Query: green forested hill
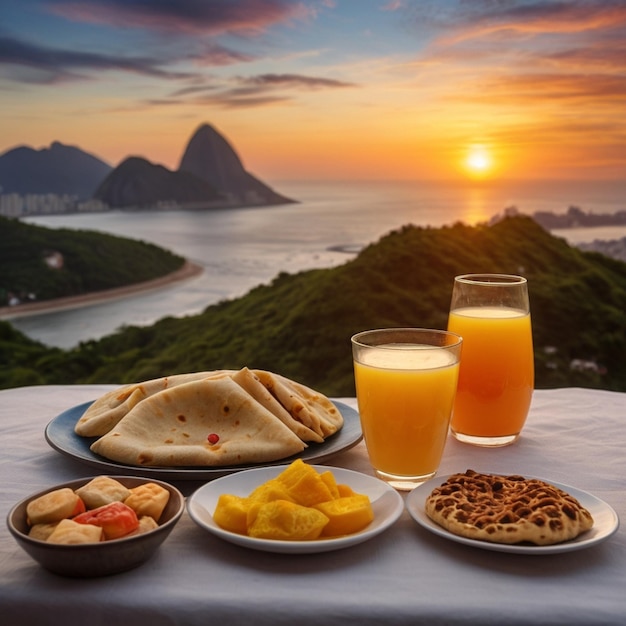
column 301, row 324
column 90, row 261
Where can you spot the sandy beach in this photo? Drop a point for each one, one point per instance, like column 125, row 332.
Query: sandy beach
column 187, row 271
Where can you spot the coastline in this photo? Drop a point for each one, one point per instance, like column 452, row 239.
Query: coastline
column 187, row 271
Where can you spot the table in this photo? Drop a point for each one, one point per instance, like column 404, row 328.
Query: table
column 407, row 575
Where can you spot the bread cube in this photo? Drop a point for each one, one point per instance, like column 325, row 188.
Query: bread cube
column 68, row 531
column 54, row 506
column 102, row 490
column 148, row 499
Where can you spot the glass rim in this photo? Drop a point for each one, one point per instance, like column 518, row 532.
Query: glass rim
column 491, row 279
column 355, row 339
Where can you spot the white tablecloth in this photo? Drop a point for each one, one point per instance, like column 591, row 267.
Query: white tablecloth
column 404, row 576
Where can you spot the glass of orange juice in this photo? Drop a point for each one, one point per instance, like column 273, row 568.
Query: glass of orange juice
column 406, row 380
column 496, row 379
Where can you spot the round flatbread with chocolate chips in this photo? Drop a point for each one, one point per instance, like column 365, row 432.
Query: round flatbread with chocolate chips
column 507, row 509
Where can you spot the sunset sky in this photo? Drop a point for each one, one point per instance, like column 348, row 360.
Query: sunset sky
column 326, row 89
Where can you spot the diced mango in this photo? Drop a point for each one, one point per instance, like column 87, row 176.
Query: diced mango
column 304, row 484
column 287, row 521
column 329, row 480
column 253, row 511
column 268, row 491
column 345, row 490
column 297, row 505
column 346, row 515
column 231, row 513
column 271, row 490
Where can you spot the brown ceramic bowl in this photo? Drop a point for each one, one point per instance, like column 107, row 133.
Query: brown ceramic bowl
column 96, row 559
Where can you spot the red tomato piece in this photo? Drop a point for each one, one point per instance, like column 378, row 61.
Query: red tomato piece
column 116, row 519
column 79, row 508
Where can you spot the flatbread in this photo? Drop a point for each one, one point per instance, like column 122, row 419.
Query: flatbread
column 304, row 404
column 309, row 414
column 110, row 408
column 172, row 428
column 251, row 382
column 506, row 509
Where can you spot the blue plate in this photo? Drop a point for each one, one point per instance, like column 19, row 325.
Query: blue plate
column 61, row 436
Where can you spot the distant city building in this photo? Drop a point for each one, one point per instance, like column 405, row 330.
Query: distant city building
column 16, row 205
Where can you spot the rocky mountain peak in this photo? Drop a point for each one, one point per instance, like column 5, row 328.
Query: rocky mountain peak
column 210, row 157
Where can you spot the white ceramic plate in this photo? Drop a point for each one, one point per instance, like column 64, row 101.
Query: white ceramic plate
column 386, row 502
column 605, row 524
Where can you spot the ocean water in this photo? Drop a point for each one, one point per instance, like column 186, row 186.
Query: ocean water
column 239, row 249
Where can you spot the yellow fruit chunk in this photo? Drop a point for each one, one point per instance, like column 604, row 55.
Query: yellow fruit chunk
column 345, row 490
column 299, row 504
column 253, row 511
column 346, row 515
column 329, row 480
column 304, row 484
column 271, row 490
column 268, row 491
column 287, row 521
column 231, row 513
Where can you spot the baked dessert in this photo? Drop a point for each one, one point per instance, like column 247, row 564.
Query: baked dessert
column 506, row 509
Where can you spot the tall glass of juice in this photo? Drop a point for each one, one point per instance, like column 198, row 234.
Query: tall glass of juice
column 406, row 380
column 496, row 378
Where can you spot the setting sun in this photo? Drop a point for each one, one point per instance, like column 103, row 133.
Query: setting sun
column 478, row 161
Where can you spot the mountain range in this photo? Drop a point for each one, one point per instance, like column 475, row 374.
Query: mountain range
column 138, row 183
column 300, row 325
column 210, row 174
column 59, row 169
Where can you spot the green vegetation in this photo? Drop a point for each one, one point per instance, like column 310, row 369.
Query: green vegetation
column 301, row 324
column 87, row 261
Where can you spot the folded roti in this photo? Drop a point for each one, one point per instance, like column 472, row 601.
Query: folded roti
column 305, row 405
column 172, row 428
column 251, row 382
column 110, row 408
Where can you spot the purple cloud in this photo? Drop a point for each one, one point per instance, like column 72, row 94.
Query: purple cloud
column 55, row 65
column 254, row 91
column 295, row 80
column 191, row 16
column 556, row 17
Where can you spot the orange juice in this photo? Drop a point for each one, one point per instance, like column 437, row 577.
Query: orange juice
column 496, row 377
column 405, row 398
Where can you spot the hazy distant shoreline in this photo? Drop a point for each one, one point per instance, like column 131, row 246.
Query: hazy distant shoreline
column 240, row 249
column 187, row 271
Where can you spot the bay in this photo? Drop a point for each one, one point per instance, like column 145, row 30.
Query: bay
column 239, row 249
